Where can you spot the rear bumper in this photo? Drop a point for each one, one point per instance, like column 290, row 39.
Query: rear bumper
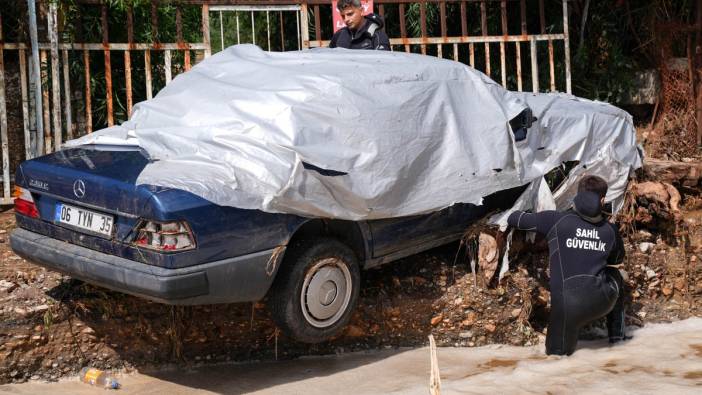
column 241, row 279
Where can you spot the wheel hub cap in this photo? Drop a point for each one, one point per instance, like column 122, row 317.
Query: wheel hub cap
column 326, row 292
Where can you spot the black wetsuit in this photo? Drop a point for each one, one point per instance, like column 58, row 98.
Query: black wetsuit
column 368, row 36
column 581, row 244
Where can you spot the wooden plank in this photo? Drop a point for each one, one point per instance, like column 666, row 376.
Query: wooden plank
column 317, row 24
column 206, row 29
column 68, row 112
column 542, row 21
column 566, row 42
column 128, row 60
column 442, row 17
column 484, row 32
column 503, row 62
column 25, row 104
column 36, row 75
column 403, row 27
column 45, row 102
column 55, row 76
column 423, row 23
column 282, row 31
column 268, row 29
column 3, row 126
column 534, row 67
column 154, row 21
column 147, row 74
column 471, row 47
column 464, row 19
column 304, row 25
column 108, row 68
column 167, row 66
column 519, row 65
column 88, row 93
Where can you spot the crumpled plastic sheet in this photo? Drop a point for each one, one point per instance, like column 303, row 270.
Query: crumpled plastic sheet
column 361, row 135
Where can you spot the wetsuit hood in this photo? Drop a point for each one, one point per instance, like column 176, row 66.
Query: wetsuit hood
column 588, row 206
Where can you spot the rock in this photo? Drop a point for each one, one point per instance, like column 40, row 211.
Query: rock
column 354, row 331
column 650, row 274
column 515, row 313
column 20, row 311
column 39, row 309
column 667, row 290
column 646, row 246
column 465, row 335
column 436, row 319
column 7, row 286
column 679, row 284
column 490, row 327
column 416, row 280
column 458, row 301
column 470, row 319
column 87, row 330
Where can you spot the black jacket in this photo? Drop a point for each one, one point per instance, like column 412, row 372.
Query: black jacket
column 580, row 241
column 363, row 39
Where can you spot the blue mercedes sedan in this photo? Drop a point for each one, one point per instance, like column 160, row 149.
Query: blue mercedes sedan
column 80, row 211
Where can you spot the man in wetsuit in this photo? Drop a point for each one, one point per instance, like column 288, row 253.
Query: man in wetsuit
column 583, row 248
column 361, row 32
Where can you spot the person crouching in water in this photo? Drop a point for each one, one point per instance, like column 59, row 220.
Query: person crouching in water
column 583, row 248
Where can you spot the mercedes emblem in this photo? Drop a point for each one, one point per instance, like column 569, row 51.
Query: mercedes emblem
column 79, row 189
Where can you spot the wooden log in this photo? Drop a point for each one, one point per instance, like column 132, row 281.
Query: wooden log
column 686, row 174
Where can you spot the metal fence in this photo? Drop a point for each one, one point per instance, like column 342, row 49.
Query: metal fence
column 55, row 105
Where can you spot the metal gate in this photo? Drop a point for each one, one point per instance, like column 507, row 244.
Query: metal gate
column 56, row 104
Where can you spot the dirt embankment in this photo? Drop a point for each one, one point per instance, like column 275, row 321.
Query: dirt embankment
column 51, row 326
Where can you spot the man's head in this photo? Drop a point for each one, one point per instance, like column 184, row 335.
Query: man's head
column 593, row 184
column 351, row 12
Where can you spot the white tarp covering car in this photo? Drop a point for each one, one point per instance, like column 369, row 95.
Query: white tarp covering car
column 362, row 134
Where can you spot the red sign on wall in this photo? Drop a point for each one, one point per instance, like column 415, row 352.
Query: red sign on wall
column 339, row 21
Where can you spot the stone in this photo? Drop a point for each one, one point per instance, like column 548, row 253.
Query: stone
column 490, row 327
column 646, row 246
column 39, row 309
column 436, row 319
column 465, row 335
column 354, row 331
column 516, row 312
column 7, row 286
column 650, row 274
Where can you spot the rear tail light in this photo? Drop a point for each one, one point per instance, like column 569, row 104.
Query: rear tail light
column 165, row 236
column 24, row 203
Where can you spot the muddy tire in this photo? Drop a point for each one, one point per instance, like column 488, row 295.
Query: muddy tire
column 315, row 290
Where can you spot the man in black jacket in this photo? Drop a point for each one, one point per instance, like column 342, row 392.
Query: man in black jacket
column 361, row 32
column 583, row 249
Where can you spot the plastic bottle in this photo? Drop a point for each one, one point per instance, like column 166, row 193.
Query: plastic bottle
column 98, row 378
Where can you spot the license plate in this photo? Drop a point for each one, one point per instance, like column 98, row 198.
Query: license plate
column 83, row 219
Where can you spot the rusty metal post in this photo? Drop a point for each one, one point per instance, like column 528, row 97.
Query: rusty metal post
column 55, row 77
column 35, row 77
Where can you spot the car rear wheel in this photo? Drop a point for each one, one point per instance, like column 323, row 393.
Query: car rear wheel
column 316, row 290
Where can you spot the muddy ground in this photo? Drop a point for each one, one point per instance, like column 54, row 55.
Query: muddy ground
column 51, row 326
